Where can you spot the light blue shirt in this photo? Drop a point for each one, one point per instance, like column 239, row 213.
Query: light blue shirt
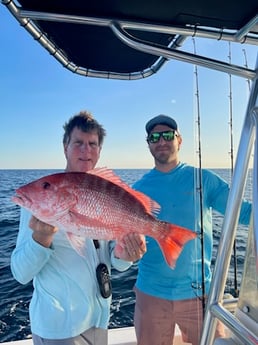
column 66, row 300
column 176, row 192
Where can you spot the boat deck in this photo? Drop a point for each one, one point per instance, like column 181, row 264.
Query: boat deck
column 116, row 336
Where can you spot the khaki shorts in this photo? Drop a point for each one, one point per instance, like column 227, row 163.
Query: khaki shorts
column 155, row 320
column 93, row 336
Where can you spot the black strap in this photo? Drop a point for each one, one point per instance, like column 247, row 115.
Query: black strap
column 96, row 244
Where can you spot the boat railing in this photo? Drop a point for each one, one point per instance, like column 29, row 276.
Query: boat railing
column 241, row 327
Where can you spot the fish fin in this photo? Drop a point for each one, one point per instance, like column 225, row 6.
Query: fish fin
column 80, row 220
column 151, row 206
column 173, row 242
column 77, row 242
column 92, row 227
column 107, row 174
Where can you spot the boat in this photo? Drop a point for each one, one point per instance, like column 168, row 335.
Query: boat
column 132, row 40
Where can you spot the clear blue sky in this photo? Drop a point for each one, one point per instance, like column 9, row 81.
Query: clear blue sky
column 38, row 95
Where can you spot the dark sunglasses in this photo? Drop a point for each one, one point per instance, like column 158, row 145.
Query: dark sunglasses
column 166, row 135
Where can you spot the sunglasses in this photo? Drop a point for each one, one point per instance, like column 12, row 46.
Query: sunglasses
column 166, row 135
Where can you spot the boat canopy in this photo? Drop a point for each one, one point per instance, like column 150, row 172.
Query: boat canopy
column 133, row 39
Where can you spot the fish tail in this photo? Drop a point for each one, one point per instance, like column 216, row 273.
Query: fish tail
column 173, row 240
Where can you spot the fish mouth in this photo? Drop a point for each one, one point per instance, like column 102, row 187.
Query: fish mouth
column 21, row 200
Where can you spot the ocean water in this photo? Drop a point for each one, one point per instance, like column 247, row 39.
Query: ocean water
column 14, row 301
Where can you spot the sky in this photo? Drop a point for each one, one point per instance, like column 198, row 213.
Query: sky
column 38, row 95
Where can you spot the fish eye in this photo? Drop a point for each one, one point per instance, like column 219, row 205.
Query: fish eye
column 46, row 185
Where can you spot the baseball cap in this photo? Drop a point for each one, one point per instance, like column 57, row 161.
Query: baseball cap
column 160, row 120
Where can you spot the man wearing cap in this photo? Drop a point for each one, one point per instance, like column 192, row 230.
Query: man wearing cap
column 165, row 296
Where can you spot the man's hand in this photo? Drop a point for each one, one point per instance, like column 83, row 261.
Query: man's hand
column 131, row 248
column 42, row 232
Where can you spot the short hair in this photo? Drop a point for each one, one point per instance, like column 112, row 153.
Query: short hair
column 86, row 123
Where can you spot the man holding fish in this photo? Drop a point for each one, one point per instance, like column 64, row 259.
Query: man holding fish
column 166, row 297
column 70, row 272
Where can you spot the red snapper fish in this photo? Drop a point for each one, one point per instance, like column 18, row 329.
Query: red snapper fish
column 98, row 205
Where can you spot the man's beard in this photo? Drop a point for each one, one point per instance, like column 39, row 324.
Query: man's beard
column 163, row 158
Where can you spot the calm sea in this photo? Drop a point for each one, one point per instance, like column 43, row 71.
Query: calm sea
column 14, row 301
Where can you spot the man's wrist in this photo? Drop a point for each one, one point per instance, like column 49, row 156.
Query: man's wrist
column 43, row 240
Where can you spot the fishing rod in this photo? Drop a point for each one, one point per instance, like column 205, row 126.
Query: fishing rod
column 199, row 186
column 236, row 292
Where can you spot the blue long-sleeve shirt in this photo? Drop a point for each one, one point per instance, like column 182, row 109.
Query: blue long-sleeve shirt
column 176, row 193
column 66, row 300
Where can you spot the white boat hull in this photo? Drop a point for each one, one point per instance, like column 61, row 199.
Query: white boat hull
column 116, row 336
